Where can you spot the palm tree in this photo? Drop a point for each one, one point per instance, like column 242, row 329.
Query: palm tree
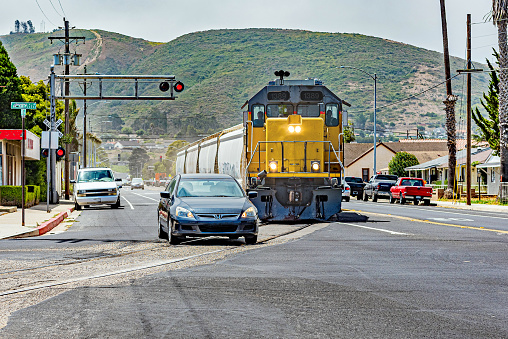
column 449, row 108
column 499, row 18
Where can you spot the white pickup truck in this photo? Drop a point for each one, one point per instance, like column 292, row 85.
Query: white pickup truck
column 96, row 186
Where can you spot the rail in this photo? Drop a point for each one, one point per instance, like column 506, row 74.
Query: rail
column 330, row 149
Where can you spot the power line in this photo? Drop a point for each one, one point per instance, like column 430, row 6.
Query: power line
column 51, row 2
column 44, row 13
column 408, row 98
column 61, row 7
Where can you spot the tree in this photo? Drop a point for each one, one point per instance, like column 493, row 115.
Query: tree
column 138, row 158
column 16, row 26
column 31, row 28
column 24, row 26
column 140, row 132
column 349, row 133
column 499, row 17
column 10, row 93
column 400, row 161
column 127, row 130
column 449, row 107
column 488, row 127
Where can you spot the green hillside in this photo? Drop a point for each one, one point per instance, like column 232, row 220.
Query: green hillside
column 221, row 69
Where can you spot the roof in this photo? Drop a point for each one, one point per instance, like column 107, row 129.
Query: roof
column 423, row 151
column 442, row 162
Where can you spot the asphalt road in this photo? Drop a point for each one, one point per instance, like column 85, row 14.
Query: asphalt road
column 368, row 275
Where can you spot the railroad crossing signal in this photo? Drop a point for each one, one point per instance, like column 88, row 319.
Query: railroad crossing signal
column 60, row 153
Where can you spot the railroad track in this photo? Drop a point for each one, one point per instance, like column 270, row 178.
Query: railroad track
column 145, row 266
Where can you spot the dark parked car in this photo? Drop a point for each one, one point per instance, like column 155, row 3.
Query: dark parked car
column 201, row 205
column 379, row 187
column 356, row 185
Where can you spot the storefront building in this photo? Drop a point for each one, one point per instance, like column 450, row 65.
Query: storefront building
column 10, row 154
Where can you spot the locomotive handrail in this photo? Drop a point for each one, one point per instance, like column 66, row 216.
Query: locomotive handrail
column 305, row 155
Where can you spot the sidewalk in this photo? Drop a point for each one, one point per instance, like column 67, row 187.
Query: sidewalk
column 37, row 220
column 472, row 207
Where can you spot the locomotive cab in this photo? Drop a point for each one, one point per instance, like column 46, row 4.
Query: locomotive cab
column 293, row 130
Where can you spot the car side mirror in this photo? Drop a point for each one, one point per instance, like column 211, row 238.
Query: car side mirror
column 253, row 195
column 118, row 179
column 165, row 194
column 72, row 181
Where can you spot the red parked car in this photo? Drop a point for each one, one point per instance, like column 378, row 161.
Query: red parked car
column 410, row 189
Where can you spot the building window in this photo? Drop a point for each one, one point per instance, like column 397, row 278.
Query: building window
column 492, row 175
column 365, row 174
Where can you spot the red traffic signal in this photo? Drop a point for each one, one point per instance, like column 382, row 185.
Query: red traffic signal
column 60, row 153
column 44, row 152
column 178, row 86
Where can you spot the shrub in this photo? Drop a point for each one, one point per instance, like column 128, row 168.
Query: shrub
column 11, row 195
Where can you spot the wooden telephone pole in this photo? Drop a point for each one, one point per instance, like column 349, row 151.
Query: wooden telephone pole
column 66, row 39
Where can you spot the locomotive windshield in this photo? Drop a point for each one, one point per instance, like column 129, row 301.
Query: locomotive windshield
column 308, row 110
column 282, row 110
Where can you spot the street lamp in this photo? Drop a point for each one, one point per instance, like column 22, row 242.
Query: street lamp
column 375, row 106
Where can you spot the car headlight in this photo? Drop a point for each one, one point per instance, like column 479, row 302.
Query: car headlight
column 249, row 213
column 183, row 213
column 112, row 191
column 81, row 193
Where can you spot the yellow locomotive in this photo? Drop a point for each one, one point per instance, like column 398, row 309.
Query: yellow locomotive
column 291, row 150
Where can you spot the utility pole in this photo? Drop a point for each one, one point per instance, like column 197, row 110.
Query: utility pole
column 449, row 108
column 67, row 61
column 468, row 158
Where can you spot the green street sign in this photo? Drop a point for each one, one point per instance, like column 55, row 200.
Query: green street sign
column 23, row 105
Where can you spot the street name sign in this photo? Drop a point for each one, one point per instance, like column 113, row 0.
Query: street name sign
column 23, row 105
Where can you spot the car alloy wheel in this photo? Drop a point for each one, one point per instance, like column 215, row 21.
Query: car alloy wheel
column 374, row 197
column 392, row 199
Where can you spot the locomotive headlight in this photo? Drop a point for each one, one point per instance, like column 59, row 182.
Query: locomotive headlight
column 291, row 129
column 314, row 165
column 298, row 129
column 273, row 166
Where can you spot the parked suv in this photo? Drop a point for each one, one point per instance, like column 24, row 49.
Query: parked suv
column 96, row 186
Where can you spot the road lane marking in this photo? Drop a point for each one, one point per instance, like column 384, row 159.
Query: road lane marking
column 124, row 198
column 479, row 228
column 374, row 229
column 473, row 212
column 146, row 197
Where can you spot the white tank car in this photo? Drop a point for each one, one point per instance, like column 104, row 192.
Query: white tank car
column 222, row 152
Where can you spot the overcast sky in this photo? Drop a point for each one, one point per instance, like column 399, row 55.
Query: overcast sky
column 415, row 22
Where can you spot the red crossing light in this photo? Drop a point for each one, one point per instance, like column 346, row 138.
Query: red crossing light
column 60, row 153
column 179, row 87
column 44, row 152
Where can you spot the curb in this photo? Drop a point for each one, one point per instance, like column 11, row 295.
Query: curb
column 46, row 226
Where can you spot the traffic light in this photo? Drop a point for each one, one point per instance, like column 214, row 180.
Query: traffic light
column 44, row 152
column 178, row 87
column 164, row 86
column 60, row 153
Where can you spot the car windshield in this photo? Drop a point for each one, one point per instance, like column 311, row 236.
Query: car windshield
column 209, row 188
column 411, row 182
column 386, row 177
column 98, row 175
column 352, row 179
column 137, row 180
